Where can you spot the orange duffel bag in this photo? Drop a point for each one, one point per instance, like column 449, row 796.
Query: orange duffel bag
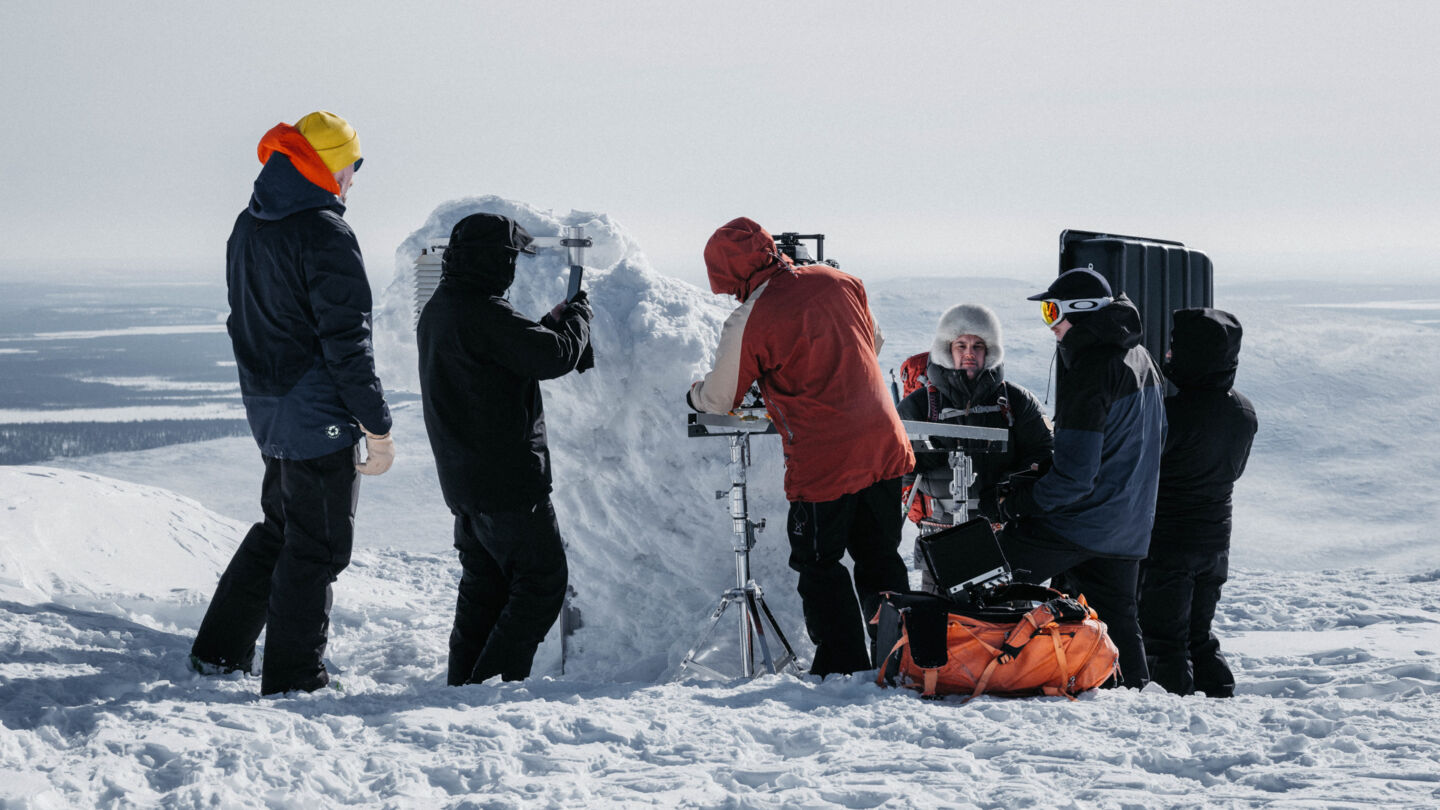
column 1023, row 640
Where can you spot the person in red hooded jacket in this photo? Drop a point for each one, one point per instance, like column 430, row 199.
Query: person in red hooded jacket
column 807, row 336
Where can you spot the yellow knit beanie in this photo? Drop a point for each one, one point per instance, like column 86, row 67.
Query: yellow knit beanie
column 334, row 139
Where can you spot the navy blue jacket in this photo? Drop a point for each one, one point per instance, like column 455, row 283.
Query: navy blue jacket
column 300, row 319
column 1212, row 427
column 1109, row 432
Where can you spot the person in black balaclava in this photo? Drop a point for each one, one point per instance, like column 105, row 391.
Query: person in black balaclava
column 480, row 367
column 1211, row 429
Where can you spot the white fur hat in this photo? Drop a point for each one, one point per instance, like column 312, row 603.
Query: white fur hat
column 967, row 319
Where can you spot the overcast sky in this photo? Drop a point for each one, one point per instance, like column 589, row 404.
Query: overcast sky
column 1281, row 138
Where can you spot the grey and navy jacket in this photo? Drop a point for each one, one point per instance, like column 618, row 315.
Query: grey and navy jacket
column 300, row 319
column 1109, row 433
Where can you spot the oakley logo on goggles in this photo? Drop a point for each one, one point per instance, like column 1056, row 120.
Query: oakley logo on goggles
column 1053, row 309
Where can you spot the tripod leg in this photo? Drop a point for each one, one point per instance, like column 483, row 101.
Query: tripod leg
column 689, row 660
column 788, row 662
column 751, row 610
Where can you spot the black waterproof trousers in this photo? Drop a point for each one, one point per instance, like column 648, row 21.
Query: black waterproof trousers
column 1108, row 584
column 279, row 579
column 867, row 525
column 1178, row 594
column 512, row 588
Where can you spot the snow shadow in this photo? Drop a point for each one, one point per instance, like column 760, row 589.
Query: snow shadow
column 79, row 665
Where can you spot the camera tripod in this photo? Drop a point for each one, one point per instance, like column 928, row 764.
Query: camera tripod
column 747, row 594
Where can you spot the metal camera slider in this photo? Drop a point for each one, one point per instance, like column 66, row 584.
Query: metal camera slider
column 970, row 439
column 747, row 594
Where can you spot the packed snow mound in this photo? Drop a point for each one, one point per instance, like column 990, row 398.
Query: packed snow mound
column 650, row 548
column 67, row 534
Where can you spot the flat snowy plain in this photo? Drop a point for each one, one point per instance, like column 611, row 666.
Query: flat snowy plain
column 1331, row 619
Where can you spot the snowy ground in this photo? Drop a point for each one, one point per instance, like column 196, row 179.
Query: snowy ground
column 1332, row 617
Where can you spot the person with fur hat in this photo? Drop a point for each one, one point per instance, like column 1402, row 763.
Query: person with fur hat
column 1212, row 427
column 481, row 364
column 807, row 335
column 965, row 385
column 1089, row 516
column 300, row 327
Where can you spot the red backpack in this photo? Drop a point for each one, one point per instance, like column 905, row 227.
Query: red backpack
column 912, row 377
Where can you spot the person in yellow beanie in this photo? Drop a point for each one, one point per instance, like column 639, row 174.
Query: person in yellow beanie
column 300, row 328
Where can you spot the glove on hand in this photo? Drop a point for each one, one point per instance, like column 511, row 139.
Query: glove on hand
column 379, row 453
column 580, row 305
column 1016, row 500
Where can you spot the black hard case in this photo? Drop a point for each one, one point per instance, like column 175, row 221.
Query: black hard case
column 1160, row 276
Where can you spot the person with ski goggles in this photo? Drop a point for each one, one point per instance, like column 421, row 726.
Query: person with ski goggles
column 1089, row 517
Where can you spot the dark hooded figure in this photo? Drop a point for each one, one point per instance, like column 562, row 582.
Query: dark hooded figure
column 480, row 367
column 300, row 327
column 1090, row 516
column 966, row 385
column 1211, row 429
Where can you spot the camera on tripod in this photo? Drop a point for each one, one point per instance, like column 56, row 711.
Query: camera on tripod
column 792, row 244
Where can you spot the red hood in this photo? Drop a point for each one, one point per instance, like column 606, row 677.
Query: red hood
column 741, row 256
column 288, row 141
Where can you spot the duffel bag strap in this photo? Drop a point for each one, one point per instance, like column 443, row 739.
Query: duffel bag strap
column 1024, row 630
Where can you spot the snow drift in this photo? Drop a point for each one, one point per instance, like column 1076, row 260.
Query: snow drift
column 649, row 547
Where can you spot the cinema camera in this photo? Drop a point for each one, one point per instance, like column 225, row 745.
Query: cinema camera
column 792, row 244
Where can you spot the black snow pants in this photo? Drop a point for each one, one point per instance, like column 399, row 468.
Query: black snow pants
column 866, row 524
column 1108, row 583
column 279, row 579
column 1178, row 594
column 512, row 588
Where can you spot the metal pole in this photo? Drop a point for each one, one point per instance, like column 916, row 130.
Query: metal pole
column 740, row 525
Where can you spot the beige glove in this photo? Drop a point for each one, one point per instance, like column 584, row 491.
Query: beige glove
column 379, row 453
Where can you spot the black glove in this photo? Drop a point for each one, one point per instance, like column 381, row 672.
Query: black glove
column 1016, row 499
column 580, row 305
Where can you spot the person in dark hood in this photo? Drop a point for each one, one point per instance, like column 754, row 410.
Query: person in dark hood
column 966, row 385
column 300, row 327
column 807, row 337
column 1212, row 427
column 1090, row 516
column 480, row 367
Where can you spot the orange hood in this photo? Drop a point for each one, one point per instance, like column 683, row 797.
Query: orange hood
column 288, row 141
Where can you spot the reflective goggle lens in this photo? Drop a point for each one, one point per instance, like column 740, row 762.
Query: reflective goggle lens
column 1050, row 311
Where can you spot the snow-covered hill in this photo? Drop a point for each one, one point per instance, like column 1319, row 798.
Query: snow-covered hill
column 1333, row 614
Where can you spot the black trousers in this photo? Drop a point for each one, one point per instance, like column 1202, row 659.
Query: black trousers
column 512, row 588
column 279, row 579
column 1109, row 586
column 1178, row 594
column 867, row 525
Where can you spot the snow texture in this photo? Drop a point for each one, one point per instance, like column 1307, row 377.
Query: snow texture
column 107, row 562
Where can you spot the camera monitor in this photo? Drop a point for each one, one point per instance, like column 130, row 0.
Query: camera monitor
column 964, row 557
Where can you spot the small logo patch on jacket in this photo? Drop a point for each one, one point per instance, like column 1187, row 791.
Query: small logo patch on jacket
column 333, row 431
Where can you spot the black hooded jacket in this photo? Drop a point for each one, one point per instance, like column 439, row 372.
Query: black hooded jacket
column 1212, row 427
column 986, row 401
column 300, row 319
column 480, row 367
column 1109, row 433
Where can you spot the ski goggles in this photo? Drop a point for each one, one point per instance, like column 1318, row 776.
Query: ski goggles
column 1052, row 310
